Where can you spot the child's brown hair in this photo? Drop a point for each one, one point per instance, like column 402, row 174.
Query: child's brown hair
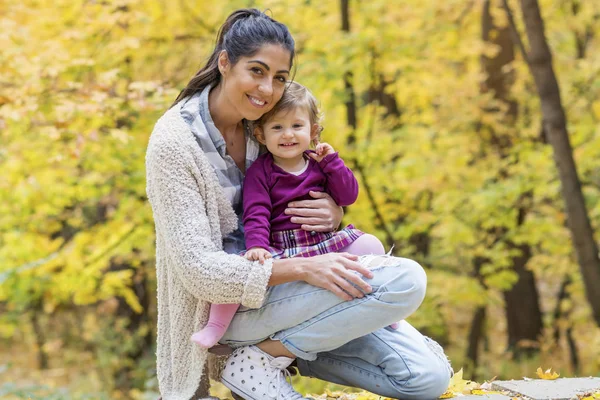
column 295, row 95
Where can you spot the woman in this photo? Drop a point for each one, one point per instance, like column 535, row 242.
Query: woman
column 328, row 312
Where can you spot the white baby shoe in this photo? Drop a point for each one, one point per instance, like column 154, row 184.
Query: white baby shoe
column 256, row 375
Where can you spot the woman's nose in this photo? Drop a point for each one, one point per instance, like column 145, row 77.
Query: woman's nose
column 266, row 88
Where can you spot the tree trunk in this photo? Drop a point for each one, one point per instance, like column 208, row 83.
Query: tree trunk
column 477, row 326
column 351, row 141
column 554, row 121
column 475, row 335
column 40, row 337
column 564, row 295
column 136, row 327
column 523, row 314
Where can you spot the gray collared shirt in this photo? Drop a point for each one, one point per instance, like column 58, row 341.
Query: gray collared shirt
column 195, row 112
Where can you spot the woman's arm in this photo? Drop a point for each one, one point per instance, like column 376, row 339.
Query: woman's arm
column 183, row 226
column 333, row 271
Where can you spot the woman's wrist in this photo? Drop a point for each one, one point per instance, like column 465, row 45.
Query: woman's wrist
column 287, row 270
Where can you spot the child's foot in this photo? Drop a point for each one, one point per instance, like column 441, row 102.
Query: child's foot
column 209, row 335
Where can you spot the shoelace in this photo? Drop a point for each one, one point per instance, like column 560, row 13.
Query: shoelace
column 282, row 383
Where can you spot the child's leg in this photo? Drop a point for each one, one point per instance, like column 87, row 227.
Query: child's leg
column 218, row 320
column 365, row 244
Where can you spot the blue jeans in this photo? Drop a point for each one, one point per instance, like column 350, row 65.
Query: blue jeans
column 348, row 342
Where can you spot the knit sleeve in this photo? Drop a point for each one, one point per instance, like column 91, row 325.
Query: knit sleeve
column 257, row 207
column 180, row 217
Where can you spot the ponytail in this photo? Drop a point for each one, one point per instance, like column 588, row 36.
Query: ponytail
column 242, row 34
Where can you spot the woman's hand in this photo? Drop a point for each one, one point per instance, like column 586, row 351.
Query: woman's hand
column 257, row 254
column 335, row 272
column 320, row 215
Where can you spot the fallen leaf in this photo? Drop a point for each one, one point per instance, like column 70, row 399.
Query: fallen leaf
column 458, row 385
column 447, row 395
column 548, row 374
column 480, row 392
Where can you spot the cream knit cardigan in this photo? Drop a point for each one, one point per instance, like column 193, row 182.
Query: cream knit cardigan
column 191, row 216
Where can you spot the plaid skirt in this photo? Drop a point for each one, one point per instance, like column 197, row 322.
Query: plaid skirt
column 301, row 243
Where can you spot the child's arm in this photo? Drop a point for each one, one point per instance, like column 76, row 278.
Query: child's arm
column 257, row 208
column 341, row 183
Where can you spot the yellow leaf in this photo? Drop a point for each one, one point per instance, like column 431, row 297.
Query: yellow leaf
column 480, row 392
column 548, row 374
column 447, row 395
column 458, row 385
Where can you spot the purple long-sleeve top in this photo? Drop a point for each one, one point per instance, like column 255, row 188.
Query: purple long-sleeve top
column 268, row 189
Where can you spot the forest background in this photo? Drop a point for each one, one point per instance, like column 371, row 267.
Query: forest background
column 433, row 103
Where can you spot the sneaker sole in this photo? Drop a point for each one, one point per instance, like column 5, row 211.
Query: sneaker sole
column 234, row 389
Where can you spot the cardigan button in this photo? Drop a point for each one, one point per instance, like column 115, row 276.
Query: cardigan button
column 292, row 236
column 313, row 233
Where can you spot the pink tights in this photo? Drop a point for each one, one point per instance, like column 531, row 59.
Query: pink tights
column 365, row 244
column 221, row 314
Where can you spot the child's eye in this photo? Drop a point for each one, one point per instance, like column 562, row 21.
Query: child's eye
column 298, row 125
column 276, row 127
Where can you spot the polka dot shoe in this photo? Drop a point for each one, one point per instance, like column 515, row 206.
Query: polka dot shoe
column 255, row 375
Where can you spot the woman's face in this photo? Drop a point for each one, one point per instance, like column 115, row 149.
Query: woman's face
column 254, row 84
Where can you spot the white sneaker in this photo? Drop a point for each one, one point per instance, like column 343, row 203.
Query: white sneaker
column 256, row 375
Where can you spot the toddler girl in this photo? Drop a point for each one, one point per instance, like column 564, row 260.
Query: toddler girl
column 287, row 173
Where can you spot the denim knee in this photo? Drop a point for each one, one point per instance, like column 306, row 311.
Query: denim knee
column 430, row 383
column 407, row 288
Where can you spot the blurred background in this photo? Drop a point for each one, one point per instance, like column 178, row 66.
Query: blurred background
column 432, row 103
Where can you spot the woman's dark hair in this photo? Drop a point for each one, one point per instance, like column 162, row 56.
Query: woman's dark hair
column 243, row 34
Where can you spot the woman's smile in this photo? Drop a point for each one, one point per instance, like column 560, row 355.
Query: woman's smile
column 255, row 101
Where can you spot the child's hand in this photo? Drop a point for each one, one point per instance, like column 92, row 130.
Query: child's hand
column 257, row 254
column 322, row 150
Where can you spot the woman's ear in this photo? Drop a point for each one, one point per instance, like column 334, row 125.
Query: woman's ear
column 260, row 135
column 223, row 62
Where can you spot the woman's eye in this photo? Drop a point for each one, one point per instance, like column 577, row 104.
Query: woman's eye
column 281, row 79
column 257, row 70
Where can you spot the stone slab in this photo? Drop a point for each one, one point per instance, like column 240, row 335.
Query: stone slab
column 559, row 389
column 494, row 396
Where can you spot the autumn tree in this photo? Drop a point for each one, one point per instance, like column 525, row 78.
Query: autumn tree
column 539, row 61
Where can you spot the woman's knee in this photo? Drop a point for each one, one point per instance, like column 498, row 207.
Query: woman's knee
column 428, row 385
column 408, row 282
column 433, row 383
column 430, row 382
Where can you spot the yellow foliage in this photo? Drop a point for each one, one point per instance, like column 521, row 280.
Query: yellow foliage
column 83, row 82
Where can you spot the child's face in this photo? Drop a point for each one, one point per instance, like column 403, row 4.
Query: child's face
column 288, row 133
